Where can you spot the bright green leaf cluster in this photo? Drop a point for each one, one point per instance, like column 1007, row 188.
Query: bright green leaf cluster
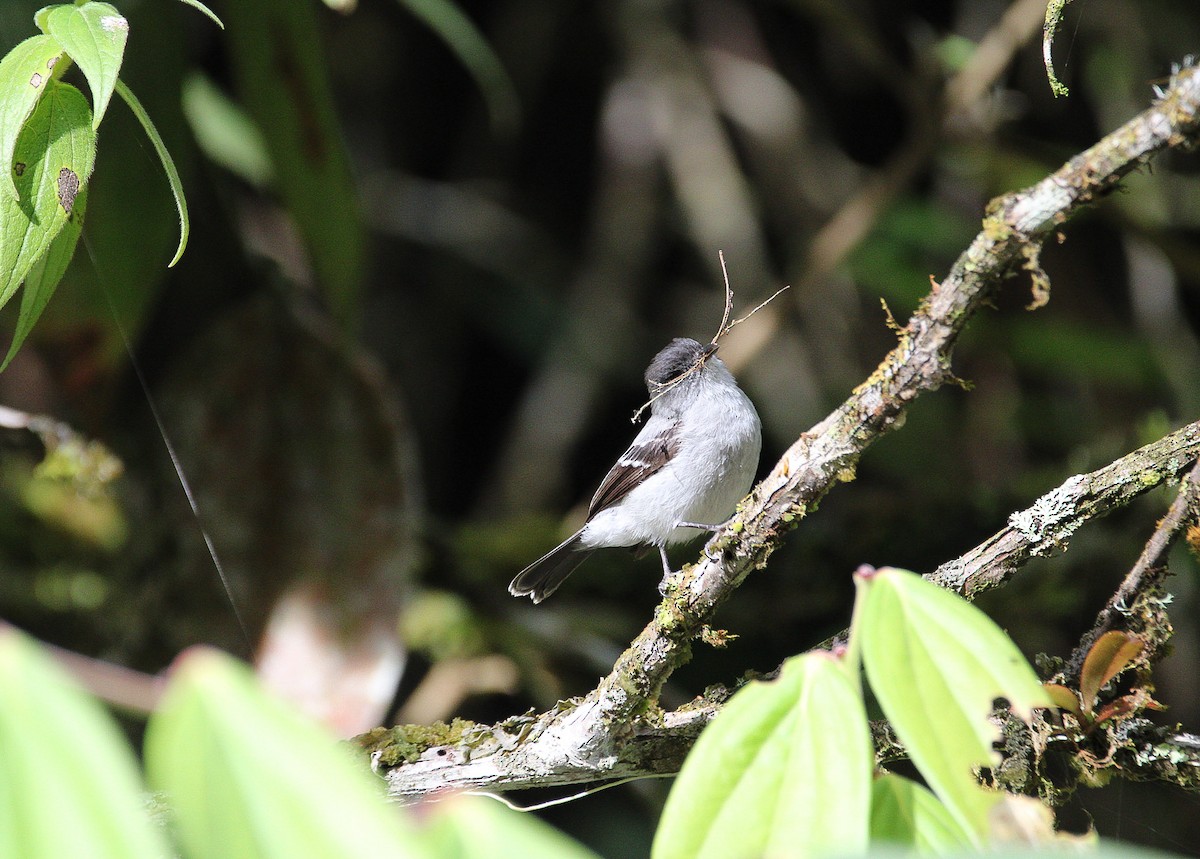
column 787, row 767
column 48, row 147
column 241, row 777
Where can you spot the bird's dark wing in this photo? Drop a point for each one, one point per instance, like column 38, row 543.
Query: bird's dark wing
column 644, row 457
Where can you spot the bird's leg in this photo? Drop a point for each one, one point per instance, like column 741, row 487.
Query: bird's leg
column 699, row 527
column 667, row 571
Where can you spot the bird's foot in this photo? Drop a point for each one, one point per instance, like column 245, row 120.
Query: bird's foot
column 711, row 528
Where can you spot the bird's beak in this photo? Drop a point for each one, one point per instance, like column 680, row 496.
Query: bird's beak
column 709, row 351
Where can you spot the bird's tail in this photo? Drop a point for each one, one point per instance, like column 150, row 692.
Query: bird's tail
column 543, row 576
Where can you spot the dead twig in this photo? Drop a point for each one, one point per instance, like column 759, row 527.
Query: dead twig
column 724, row 329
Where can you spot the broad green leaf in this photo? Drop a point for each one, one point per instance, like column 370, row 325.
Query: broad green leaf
column 196, row 4
column 168, row 166
column 1108, row 656
column 68, row 780
column 249, row 778
column 463, row 38
column 936, row 664
column 45, row 274
column 472, row 827
column 281, row 77
column 93, row 35
column 24, row 73
column 904, row 812
column 784, row 770
column 51, row 164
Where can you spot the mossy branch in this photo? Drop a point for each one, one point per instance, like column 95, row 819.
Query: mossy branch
column 617, row 730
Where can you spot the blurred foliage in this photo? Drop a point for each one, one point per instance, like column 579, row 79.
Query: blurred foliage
column 512, row 278
column 244, row 775
column 788, row 766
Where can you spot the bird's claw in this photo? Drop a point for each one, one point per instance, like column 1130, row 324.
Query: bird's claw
column 665, row 584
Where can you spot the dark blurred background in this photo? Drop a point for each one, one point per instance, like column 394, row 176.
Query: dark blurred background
column 424, row 279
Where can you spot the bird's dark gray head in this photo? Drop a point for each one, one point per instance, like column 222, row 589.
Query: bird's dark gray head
column 679, row 356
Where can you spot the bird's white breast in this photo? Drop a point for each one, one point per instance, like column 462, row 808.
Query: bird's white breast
column 713, row 469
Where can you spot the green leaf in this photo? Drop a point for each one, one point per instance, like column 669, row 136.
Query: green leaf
column 68, row 780
column 93, row 35
column 51, row 164
column 168, row 166
column 785, row 769
column 249, row 778
column 904, row 812
column 226, row 134
column 24, row 72
column 1108, row 656
column 45, row 274
column 463, row 38
column 196, row 4
column 936, row 664
column 472, row 827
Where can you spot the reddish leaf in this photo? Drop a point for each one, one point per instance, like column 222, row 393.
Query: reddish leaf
column 1117, row 707
column 1109, row 656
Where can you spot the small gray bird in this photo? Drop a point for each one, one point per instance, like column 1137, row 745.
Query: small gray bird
column 693, row 461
